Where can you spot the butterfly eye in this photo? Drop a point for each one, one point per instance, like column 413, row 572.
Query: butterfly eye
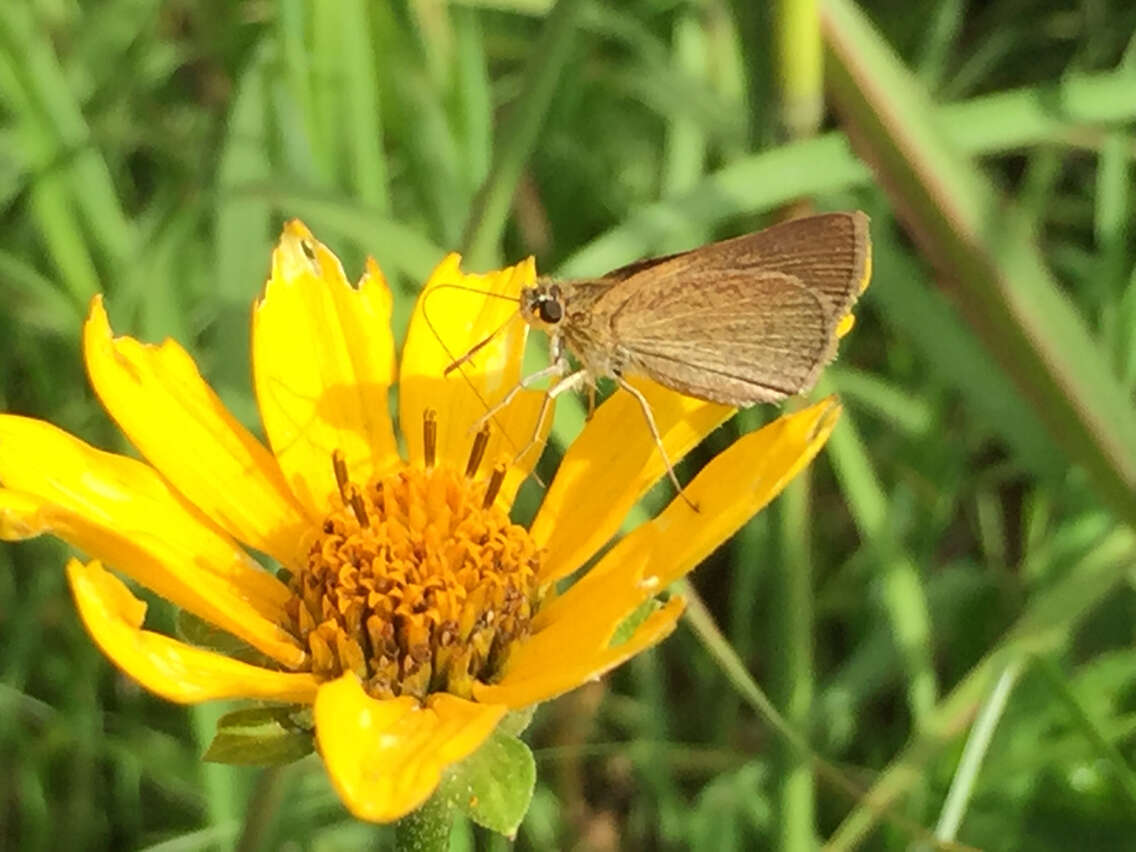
column 550, row 311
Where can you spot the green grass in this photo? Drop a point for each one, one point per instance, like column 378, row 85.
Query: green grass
column 943, row 611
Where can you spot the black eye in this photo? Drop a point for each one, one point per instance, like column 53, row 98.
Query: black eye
column 550, row 311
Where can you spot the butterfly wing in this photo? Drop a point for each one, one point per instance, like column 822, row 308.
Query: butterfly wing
column 829, row 253
column 735, row 338
column 745, row 320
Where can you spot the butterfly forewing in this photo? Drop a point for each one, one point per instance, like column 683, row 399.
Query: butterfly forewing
column 828, row 253
column 738, row 340
column 745, row 320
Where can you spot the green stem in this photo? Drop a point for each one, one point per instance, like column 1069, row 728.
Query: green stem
column 224, row 795
column 800, row 64
column 264, row 804
column 752, row 21
column 699, row 619
column 902, row 595
column 794, row 626
column 519, row 134
column 977, row 744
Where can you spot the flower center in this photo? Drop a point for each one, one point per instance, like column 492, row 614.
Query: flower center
column 417, row 582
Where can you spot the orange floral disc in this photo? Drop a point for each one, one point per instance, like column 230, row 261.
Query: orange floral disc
column 417, row 582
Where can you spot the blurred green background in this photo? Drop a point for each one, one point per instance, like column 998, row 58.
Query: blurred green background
column 944, row 607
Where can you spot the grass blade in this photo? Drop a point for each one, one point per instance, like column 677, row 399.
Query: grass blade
column 981, row 243
column 518, row 135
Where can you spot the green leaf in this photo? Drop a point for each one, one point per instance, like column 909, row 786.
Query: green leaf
column 426, row 829
column 516, row 721
column 629, row 625
column 494, row 786
column 200, row 633
column 262, row 736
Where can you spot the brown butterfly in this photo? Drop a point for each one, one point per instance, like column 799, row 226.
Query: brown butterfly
column 738, row 322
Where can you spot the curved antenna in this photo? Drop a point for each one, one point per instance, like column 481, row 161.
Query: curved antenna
column 477, row 347
column 458, row 362
column 467, row 289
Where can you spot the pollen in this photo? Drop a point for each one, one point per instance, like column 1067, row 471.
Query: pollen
column 417, row 581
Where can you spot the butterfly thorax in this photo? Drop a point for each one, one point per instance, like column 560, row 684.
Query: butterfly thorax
column 572, row 314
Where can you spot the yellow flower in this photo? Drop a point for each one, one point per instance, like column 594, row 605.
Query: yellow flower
column 413, row 615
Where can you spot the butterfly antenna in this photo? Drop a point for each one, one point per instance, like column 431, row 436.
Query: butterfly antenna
column 456, row 362
column 473, row 350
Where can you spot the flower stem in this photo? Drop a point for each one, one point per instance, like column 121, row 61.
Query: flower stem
column 262, row 808
column 794, row 627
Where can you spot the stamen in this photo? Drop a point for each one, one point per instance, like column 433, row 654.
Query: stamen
column 477, row 452
column 339, row 465
column 358, row 507
column 430, row 437
column 496, row 480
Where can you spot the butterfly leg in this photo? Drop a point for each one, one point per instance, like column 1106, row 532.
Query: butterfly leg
column 591, row 401
column 646, row 407
column 569, row 382
column 528, row 381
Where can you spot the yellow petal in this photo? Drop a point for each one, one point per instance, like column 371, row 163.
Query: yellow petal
column 735, row 485
column 176, row 421
column 20, row 517
column 323, row 363
column 173, row 670
column 580, row 632
column 446, row 323
column 731, row 489
column 385, row 758
column 610, row 466
column 845, row 324
column 553, row 675
column 119, row 510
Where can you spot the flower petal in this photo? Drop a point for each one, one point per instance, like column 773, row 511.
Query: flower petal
column 385, row 758
column 176, row 421
column 446, row 323
column 610, row 466
column 172, row 669
column 548, row 676
column 735, row 485
column 845, row 324
column 119, row 510
column 323, row 363
column 572, row 632
column 20, row 516
column 587, row 630
column 731, row 489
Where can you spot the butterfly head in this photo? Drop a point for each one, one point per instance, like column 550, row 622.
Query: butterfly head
column 542, row 305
